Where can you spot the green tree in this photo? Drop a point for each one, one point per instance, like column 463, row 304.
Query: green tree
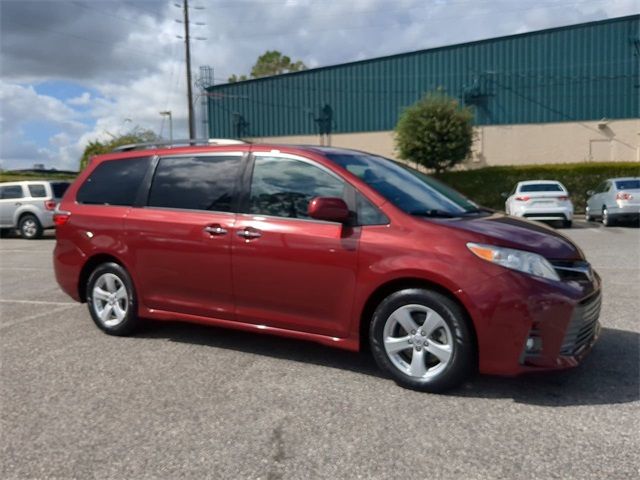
column 270, row 63
column 435, row 132
column 137, row 135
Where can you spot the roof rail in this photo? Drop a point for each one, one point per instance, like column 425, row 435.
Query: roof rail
column 179, row 143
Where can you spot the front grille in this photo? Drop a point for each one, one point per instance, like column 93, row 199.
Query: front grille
column 577, row 271
column 583, row 326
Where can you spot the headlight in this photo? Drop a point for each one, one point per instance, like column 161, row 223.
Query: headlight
column 526, row 262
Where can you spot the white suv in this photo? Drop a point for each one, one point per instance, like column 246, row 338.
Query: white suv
column 540, row 200
column 28, row 206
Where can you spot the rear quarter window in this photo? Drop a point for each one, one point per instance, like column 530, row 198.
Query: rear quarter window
column 59, row 188
column 114, row 182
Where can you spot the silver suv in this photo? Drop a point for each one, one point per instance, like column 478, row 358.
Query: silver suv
column 28, row 206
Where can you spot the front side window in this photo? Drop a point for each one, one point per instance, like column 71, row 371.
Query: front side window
column 10, row 191
column 283, row 187
column 114, row 182
column 411, row 191
column 195, row 183
column 37, row 190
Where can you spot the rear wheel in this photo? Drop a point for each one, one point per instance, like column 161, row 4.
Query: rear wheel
column 607, row 221
column 30, row 227
column 567, row 223
column 111, row 299
column 422, row 340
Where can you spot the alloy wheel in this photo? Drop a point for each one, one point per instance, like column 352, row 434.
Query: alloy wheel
column 29, row 228
column 418, row 341
column 110, row 299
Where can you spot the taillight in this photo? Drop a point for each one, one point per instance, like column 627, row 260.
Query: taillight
column 563, row 199
column 60, row 218
column 523, row 199
column 50, row 204
column 624, row 196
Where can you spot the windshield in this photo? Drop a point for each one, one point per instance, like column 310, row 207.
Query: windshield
column 408, row 189
column 628, row 184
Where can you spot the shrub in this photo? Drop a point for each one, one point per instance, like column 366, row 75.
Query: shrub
column 435, row 132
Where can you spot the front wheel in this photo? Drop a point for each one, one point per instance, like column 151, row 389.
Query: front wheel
column 422, row 340
column 111, row 299
column 587, row 214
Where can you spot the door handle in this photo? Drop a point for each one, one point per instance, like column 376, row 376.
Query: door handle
column 215, row 230
column 18, row 204
column 249, row 233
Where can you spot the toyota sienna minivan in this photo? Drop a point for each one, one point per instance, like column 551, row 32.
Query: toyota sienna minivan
column 335, row 246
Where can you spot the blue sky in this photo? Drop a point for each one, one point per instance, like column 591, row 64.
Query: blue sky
column 80, row 70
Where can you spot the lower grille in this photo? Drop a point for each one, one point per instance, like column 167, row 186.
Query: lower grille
column 583, row 326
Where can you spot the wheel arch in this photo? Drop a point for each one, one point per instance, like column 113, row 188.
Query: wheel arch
column 386, row 289
column 89, row 266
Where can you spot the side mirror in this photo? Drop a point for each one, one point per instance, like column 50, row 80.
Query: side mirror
column 330, row 209
column 590, row 193
column 504, row 195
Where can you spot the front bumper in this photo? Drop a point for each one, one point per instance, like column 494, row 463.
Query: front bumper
column 558, row 320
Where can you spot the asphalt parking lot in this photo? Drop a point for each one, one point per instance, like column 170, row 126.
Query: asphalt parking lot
column 187, row 401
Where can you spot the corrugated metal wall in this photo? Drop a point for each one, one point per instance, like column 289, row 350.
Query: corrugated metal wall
column 581, row 72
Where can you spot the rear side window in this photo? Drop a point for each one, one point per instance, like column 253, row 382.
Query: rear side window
column 37, row 190
column 541, row 187
column 11, row 191
column 195, row 183
column 59, row 188
column 114, row 182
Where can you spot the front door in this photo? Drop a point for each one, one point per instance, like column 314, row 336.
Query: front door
column 180, row 242
column 291, row 271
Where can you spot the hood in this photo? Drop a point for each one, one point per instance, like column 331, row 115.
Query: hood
column 512, row 232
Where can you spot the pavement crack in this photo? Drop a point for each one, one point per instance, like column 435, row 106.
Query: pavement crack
column 279, row 453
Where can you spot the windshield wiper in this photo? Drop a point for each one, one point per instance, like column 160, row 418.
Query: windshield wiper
column 434, row 213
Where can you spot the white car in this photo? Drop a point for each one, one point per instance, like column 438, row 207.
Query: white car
column 540, row 200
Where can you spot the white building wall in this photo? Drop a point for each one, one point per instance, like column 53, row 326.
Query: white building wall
column 566, row 142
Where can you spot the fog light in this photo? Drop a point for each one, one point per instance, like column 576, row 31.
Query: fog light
column 533, row 345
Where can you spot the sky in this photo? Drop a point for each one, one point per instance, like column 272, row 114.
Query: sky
column 73, row 71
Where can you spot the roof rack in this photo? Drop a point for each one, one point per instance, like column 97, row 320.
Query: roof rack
column 179, row 143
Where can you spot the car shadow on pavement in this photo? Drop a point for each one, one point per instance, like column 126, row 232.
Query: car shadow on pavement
column 609, row 375
column 261, row 344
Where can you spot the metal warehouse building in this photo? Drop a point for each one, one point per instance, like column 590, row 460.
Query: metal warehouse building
column 568, row 94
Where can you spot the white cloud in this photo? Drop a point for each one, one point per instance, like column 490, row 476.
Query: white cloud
column 127, row 56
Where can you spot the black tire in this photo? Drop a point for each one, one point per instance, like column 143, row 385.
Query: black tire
column 587, row 215
column 455, row 330
column 110, row 322
column 607, row 221
column 30, row 227
column 567, row 223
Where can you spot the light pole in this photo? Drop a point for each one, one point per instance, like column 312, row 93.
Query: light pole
column 167, row 113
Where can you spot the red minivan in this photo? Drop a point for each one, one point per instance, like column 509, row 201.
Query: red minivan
column 335, row 246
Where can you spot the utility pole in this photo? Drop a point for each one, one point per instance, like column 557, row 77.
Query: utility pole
column 188, row 58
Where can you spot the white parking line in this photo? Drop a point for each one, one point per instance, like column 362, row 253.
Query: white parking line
column 37, row 315
column 36, row 302
column 3, row 267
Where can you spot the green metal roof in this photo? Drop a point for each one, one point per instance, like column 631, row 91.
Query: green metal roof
column 574, row 73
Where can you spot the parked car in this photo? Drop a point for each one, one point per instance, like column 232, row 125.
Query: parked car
column 540, row 200
column 615, row 200
column 329, row 245
column 28, row 206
